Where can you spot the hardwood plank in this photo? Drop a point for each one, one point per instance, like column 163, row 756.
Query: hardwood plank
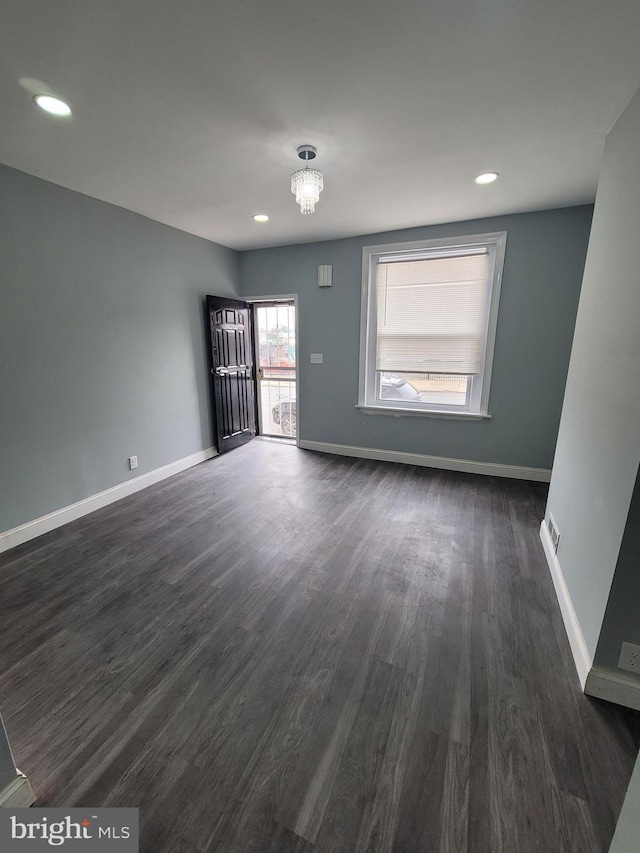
column 356, row 777
column 382, row 814
column 454, row 814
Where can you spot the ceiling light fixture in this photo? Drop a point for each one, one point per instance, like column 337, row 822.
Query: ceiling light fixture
column 487, row 177
column 307, row 184
column 52, row 105
column 261, row 217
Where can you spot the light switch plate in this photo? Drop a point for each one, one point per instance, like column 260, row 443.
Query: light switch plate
column 316, row 358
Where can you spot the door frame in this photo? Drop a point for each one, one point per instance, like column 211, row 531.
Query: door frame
column 280, row 297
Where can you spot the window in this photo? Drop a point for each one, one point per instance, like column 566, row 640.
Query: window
column 429, row 312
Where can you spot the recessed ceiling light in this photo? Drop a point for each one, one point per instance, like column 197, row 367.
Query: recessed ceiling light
column 487, row 178
column 52, row 105
column 261, row 217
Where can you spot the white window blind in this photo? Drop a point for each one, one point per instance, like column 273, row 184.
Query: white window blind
column 431, row 313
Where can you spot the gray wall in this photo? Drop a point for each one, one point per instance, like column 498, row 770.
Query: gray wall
column 103, row 351
column 542, row 275
column 622, row 616
column 627, row 832
column 102, row 344
column 8, row 770
column 598, row 449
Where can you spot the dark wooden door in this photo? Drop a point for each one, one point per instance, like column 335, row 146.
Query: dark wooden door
column 232, row 371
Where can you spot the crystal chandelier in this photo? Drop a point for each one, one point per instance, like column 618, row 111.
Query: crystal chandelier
column 307, row 184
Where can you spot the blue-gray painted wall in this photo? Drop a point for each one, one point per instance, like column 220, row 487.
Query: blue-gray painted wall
column 627, row 832
column 598, row 449
column 621, row 622
column 8, row 770
column 102, row 344
column 103, row 350
column 542, row 275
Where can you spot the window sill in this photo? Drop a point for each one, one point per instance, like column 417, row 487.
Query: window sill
column 424, row 413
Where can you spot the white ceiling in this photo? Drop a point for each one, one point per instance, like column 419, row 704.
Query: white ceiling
column 190, row 111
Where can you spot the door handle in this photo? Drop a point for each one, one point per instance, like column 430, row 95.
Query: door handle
column 226, row 371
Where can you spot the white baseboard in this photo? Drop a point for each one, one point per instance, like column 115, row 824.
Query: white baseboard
column 581, row 656
column 25, row 532
column 614, row 686
column 18, row 794
column 469, row 466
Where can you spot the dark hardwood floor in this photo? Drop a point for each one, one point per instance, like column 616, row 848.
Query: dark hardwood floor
column 287, row 651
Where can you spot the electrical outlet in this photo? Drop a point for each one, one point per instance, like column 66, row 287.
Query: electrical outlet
column 316, row 358
column 133, row 462
column 629, row 658
column 554, row 533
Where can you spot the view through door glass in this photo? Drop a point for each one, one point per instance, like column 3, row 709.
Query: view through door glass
column 276, row 358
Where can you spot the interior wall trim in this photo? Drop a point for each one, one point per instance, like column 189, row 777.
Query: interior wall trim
column 581, row 655
column 469, row 466
column 32, row 529
column 18, row 794
column 603, row 682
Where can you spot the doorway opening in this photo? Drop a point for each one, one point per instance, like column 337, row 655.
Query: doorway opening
column 274, row 323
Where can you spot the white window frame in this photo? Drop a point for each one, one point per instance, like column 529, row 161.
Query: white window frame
column 477, row 402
